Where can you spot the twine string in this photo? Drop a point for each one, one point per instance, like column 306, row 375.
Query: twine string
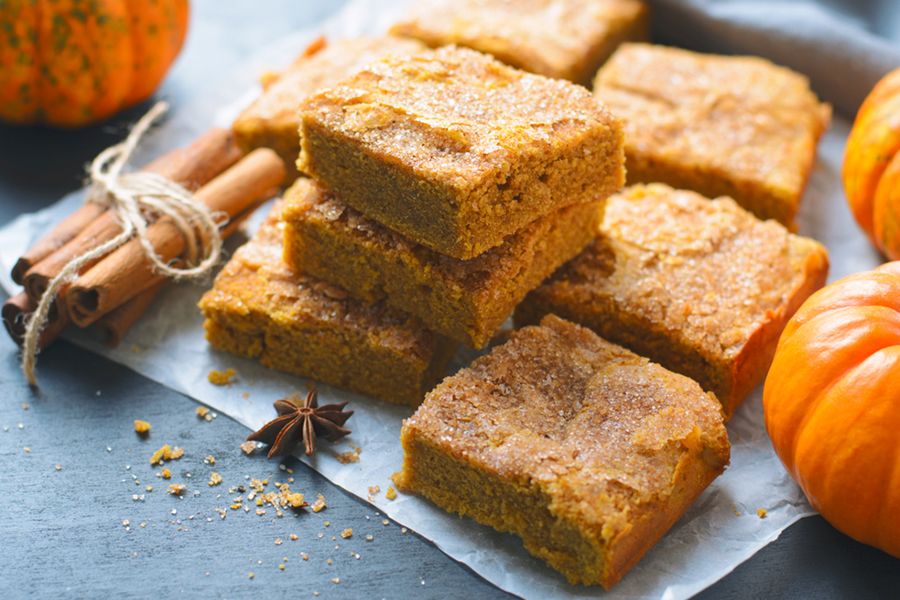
column 136, row 198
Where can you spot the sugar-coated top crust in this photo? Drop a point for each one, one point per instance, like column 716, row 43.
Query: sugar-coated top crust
column 739, row 114
column 481, row 275
column 550, row 37
column 705, row 270
column 320, row 69
column 594, row 425
column 256, row 279
column 457, row 117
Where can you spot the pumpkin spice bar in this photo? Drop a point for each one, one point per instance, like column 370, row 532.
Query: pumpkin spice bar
column 467, row 300
column 566, row 39
column 585, row 450
column 457, row 151
column 700, row 286
column 272, row 122
column 719, row 125
column 260, row 308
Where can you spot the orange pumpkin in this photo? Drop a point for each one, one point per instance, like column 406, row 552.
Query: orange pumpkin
column 69, row 63
column 872, row 166
column 832, row 404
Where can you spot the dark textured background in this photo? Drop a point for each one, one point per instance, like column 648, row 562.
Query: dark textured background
column 61, row 531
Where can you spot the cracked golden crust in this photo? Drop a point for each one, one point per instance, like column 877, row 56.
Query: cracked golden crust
column 594, row 451
column 458, row 151
column 700, row 286
column 272, row 121
column 566, row 39
column 719, row 125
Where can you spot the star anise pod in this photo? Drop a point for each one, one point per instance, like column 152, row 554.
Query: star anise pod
column 297, row 423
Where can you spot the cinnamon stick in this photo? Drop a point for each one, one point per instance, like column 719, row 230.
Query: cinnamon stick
column 56, row 239
column 20, row 307
column 127, row 271
column 192, row 166
column 112, row 326
column 115, row 324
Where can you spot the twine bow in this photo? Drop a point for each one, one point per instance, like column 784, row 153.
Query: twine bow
column 136, row 198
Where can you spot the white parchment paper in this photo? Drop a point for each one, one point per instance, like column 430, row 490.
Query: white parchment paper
column 718, row 532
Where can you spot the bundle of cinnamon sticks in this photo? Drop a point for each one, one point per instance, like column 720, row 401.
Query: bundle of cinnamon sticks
column 113, row 291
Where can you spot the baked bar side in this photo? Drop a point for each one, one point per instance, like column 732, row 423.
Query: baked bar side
column 465, row 300
column 521, row 508
column 766, row 202
column 676, row 278
column 736, row 126
column 388, row 193
column 358, row 365
column 752, row 361
column 585, row 450
column 702, row 460
column 631, row 27
column 589, row 539
column 766, row 175
column 600, row 314
column 627, row 536
column 465, row 221
column 457, row 151
column 271, row 120
column 251, row 132
column 323, row 253
column 567, row 40
column 546, row 245
column 258, row 307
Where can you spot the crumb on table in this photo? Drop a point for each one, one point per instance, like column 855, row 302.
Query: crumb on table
column 160, row 454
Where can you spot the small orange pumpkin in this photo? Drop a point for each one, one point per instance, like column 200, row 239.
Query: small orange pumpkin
column 872, row 166
column 68, row 63
column 832, row 404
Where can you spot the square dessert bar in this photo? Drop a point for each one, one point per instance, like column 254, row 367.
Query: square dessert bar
column 719, row 125
column 700, row 286
column 457, row 151
column 467, row 300
column 272, row 122
column 566, row 39
column 260, row 308
column 585, row 450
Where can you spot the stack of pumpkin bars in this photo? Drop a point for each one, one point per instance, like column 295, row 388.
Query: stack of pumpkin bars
column 447, row 190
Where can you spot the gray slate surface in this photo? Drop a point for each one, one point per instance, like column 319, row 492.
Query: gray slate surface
column 61, row 531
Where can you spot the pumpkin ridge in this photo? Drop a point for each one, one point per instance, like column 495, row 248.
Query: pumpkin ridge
column 827, row 465
column 875, row 288
column 831, row 403
column 891, row 499
column 866, row 328
column 870, row 181
column 885, row 209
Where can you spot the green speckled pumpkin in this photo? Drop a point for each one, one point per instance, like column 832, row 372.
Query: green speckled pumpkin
column 69, row 63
